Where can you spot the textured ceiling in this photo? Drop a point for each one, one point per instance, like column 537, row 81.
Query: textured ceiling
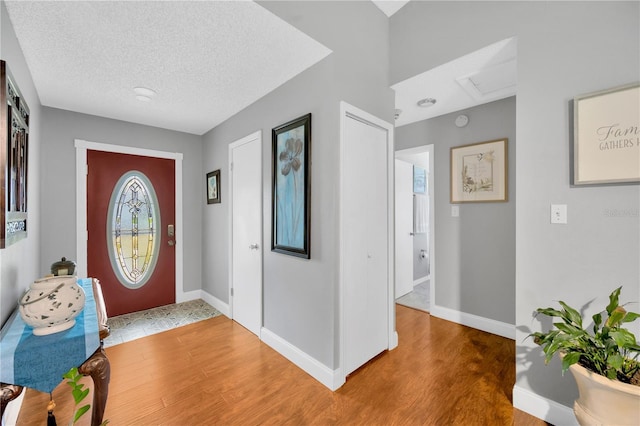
column 207, row 60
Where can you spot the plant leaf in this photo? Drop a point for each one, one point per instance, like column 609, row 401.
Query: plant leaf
column 615, row 361
column 550, row 312
column 597, row 321
column 616, row 316
column 80, row 412
column 573, row 315
column 623, row 338
column 79, row 394
column 613, row 300
column 570, row 359
column 567, row 328
column 630, row 317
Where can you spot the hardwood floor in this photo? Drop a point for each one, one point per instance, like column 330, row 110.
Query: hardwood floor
column 215, row 372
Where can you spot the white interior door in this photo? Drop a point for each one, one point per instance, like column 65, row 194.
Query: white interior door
column 245, row 158
column 404, row 227
column 365, row 241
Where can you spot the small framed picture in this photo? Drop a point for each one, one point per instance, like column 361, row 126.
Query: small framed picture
column 213, row 187
column 479, row 172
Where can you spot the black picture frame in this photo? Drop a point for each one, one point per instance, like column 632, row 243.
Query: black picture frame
column 213, row 187
column 14, row 156
column 291, row 188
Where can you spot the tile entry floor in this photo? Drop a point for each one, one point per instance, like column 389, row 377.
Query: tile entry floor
column 419, row 298
column 140, row 324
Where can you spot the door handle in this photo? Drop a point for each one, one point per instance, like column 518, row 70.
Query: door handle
column 254, row 247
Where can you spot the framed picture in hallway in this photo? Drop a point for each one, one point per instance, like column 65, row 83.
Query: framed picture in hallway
column 291, row 202
column 14, row 156
column 213, row 187
column 479, row 172
column 606, row 137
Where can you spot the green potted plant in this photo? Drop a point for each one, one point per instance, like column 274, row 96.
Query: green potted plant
column 603, row 361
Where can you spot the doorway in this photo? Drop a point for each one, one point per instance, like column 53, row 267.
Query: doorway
column 415, row 227
column 245, row 211
column 367, row 311
column 82, row 148
column 132, row 198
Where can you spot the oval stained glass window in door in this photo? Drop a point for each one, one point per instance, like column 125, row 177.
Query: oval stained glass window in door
column 132, row 229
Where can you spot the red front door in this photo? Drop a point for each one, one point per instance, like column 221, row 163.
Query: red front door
column 130, row 221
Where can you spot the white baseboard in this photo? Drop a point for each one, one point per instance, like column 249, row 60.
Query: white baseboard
column 187, row 296
column 394, row 341
column 216, row 303
column 474, row 321
column 543, row 408
column 201, row 294
column 10, row 417
column 330, row 378
column 421, row 280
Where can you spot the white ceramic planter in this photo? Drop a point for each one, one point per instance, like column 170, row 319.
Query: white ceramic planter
column 603, row 401
column 51, row 304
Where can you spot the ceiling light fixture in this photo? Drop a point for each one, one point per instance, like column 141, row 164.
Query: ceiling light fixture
column 426, row 102
column 144, row 94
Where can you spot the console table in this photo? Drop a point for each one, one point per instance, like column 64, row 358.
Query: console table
column 96, row 365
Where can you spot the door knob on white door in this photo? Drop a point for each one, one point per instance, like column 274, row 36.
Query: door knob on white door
column 254, row 247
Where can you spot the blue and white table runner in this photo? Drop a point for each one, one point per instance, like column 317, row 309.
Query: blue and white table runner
column 38, row 362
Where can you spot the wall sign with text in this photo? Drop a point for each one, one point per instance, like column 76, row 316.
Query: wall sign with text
column 606, row 137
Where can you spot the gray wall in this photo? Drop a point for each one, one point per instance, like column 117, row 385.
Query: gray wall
column 301, row 296
column 19, row 263
column 474, row 253
column 564, row 49
column 60, row 128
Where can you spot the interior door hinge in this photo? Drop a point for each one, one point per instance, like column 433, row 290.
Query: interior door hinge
column 231, row 166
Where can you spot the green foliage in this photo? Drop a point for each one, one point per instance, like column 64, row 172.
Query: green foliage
column 610, row 350
column 78, row 392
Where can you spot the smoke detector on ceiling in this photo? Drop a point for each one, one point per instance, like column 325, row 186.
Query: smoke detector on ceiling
column 462, row 120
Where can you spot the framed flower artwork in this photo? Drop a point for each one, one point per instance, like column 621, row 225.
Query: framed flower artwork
column 291, row 187
column 479, row 172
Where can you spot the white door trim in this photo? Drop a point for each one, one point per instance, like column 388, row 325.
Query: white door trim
column 404, row 227
column 82, row 147
column 250, row 138
column 432, row 216
column 349, row 111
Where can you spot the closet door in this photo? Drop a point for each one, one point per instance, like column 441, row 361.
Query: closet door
column 365, row 242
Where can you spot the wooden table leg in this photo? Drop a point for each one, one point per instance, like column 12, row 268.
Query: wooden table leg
column 7, row 394
column 98, row 367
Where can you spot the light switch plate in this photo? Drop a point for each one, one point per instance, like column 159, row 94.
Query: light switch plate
column 455, row 211
column 558, row 213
